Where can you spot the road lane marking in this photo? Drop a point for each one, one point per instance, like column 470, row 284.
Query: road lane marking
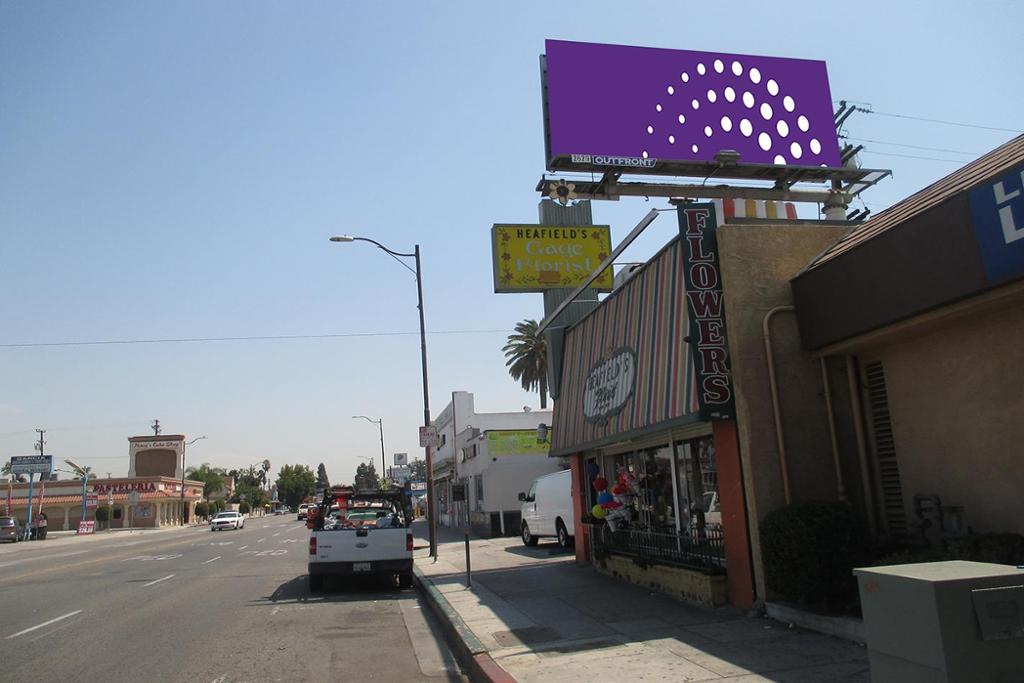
column 147, row 558
column 147, row 585
column 243, row 547
column 45, row 557
column 261, row 540
column 266, row 553
column 278, row 533
column 212, row 560
column 45, row 623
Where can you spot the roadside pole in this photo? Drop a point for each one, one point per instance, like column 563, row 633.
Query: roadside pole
column 28, row 523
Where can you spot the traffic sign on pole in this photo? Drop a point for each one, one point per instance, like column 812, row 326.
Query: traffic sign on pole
column 428, row 437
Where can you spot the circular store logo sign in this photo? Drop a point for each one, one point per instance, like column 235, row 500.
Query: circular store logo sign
column 610, row 385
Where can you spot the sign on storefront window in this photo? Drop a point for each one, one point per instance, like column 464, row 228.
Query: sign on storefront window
column 610, row 385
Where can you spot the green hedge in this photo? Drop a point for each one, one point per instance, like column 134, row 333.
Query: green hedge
column 810, row 549
column 243, row 508
column 997, row 548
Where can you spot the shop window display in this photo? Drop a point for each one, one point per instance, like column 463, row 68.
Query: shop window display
column 638, row 490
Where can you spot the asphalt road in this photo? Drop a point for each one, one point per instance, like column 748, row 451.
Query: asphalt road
column 195, row 605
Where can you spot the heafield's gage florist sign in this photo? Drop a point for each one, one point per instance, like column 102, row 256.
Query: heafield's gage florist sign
column 609, row 385
column 615, row 105
column 534, row 258
column 697, row 224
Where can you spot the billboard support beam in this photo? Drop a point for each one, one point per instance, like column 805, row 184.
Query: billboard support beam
column 608, row 188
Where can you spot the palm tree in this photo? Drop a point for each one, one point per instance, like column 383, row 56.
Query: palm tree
column 527, row 354
column 212, row 478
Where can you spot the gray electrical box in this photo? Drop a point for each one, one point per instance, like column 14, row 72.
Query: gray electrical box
column 944, row 622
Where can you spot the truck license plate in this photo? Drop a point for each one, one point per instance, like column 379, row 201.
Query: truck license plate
column 360, row 566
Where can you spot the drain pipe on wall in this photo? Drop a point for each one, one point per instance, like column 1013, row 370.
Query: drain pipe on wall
column 840, row 489
column 773, row 386
column 862, row 450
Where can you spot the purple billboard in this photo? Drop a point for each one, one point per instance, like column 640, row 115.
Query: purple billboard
column 645, row 105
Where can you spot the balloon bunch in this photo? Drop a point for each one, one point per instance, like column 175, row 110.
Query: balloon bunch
column 612, row 502
column 605, row 500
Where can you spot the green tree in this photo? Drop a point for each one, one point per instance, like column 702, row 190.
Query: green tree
column 527, row 354
column 212, row 478
column 295, row 482
column 322, row 482
column 249, row 486
column 202, row 510
column 5, row 470
column 243, row 508
column 418, row 469
column 366, row 476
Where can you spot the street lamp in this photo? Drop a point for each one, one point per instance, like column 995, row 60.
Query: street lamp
column 432, row 517
column 82, row 472
column 379, row 423
column 187, row 443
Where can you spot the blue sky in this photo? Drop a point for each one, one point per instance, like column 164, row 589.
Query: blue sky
column 173, row 170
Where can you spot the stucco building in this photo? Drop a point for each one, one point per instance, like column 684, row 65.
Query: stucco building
column 483, row 462
column 876, row 362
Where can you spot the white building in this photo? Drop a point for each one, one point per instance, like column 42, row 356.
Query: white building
column 483, row 462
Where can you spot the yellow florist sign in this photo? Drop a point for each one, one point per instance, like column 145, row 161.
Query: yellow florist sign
column 533, row 258
column 516, row 442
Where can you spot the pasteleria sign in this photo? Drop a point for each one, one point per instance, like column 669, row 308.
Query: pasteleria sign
column 535, row 258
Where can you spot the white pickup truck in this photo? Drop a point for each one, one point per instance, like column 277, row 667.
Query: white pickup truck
column 360, row 532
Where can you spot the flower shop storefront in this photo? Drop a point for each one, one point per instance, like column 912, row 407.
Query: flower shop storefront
column 656, row 478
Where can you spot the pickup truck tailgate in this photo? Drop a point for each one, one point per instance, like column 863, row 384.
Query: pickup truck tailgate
column 360, row 545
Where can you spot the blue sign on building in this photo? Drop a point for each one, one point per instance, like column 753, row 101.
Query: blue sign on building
column 997, row 213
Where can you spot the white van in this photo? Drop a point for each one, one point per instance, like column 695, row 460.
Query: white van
column 547, row 509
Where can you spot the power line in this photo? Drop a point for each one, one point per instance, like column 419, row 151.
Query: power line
column 900, row 144
column 865, row 110
column 912, row 156
column 108, row 342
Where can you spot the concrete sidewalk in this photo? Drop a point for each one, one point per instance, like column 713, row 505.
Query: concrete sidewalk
column 541, row 617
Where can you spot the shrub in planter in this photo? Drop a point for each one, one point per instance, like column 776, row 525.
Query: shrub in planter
column 810, row 549
column 202, row 510
column 243, row 508
column 1003, row 548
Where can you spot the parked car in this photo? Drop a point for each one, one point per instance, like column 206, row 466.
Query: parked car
column 547, row 509
column 227, row 520
column 304, row 509
column 10, row 529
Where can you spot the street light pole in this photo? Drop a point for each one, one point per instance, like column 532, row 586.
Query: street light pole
column 431, row 498
column 379, row 423
column 183, row 446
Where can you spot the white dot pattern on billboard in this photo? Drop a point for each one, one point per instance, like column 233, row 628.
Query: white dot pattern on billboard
column 773, row 120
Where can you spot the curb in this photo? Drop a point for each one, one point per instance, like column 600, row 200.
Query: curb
column 847, row 628
column 474, row 658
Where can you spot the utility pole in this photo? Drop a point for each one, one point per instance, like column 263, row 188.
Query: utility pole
column 40, row 446
column 156, row 427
